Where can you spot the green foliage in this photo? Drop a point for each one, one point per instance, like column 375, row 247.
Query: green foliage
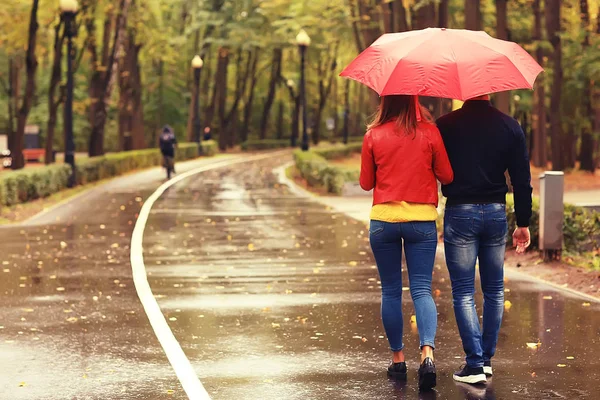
column 114, row 164
column 25, row 185
column 267, row 144
column 319, row 173
column 339, row 151
column 581, row 227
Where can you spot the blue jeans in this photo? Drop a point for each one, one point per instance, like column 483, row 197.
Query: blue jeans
column 420, row 242
column 471, row 232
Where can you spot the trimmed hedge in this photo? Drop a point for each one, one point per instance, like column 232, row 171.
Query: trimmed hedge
column 264, row 144
column 318, row 172
column 98, row 168
column 339, row 151
column 25, row 185
column 581, row 226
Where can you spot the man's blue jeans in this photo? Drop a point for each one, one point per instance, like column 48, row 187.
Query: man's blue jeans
column 420, row 242
column 471, row 232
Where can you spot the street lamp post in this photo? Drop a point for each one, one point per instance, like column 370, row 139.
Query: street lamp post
column 197, row 64
column 303, row 41
column 69, row 11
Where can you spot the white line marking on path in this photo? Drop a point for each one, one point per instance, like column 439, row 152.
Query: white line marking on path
column 180, row 363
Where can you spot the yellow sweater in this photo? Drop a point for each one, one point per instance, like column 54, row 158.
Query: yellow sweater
column 401, row 211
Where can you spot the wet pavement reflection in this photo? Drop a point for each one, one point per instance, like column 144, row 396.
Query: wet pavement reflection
column 71, row 324
column 272, row 297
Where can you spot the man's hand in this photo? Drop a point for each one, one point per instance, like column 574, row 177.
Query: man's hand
column 521, row 239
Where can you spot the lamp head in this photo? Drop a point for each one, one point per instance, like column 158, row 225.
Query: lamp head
column 69, row 6
column 197, row 62
column 303, row 39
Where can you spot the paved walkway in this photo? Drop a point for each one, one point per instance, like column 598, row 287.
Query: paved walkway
column 271, row 296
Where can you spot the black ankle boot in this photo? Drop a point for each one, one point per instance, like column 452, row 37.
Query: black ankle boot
column 397, row 371
column 427, row 375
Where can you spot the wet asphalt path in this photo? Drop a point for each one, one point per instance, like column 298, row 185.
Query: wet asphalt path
column 275, row 297
column 271, row 297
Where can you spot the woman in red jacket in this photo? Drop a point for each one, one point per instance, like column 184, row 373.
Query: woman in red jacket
column 403, row 156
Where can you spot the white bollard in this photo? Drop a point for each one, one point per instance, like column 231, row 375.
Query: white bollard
column 551, row 214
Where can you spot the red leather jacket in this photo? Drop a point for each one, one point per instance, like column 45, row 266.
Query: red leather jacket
column 404, row 167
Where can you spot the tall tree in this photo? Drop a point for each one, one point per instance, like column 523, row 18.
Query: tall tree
column 473, row 15
column 275, row 74
column 250, row 97
column 326, row 71
column 131, row 113
column 553, row 26
column 53, row 101
column 502, row 98
column 31, row 64
column 221, row 93
column 104, row 66
column 540, row 153
column 587, row 141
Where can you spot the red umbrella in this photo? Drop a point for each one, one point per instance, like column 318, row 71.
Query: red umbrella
column 451, row 63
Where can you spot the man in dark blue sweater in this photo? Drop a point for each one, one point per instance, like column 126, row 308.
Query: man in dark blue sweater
column 482, row 144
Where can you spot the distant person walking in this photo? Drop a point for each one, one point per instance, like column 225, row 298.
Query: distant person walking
column 167, row 144
column 402, row 156
column 482, row 144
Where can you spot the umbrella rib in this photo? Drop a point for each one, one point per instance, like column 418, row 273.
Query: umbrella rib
column 457, row 71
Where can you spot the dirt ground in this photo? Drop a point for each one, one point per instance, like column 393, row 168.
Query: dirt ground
column 559, row 272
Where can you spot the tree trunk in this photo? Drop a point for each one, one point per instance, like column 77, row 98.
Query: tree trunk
column 14, row 89
column 190, row 123
column 250, row 100
column 275, row 75
column 553, row 8
column 473, row 15
column 53, row 103
column 569, row 153
column 335, row 107
column 103, row 75
column 221, row 85
column 31, row 63
column 502, row 98
column 369, row 17
column 280, row 120
column 326, row 75
column 400, row 17
column 540, row 139
column 444, row 106
column 161, row 94
column 424, row 16
column 443, row 14
column 352, row 4
column 125, row 98
column 587, row 140
column 131, row 118
column 596, row 96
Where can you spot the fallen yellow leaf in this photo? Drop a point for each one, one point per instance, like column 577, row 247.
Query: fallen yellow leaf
column 534, row 345
column 507, row 305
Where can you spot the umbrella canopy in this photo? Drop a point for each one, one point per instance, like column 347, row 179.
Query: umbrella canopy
column 439, row 62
